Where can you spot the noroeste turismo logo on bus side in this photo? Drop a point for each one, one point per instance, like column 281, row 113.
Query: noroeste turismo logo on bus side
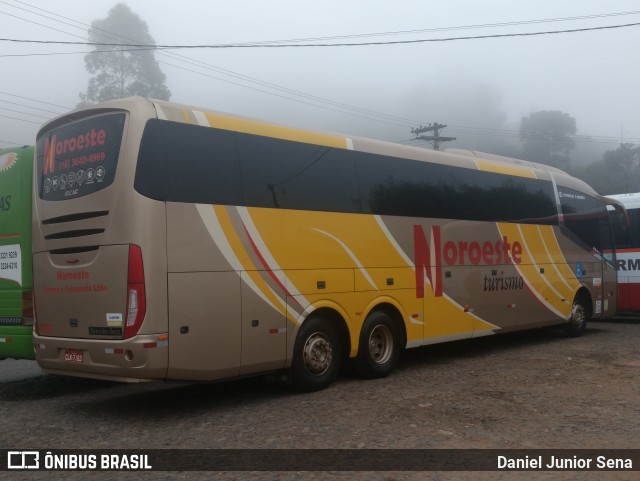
column 429, row 256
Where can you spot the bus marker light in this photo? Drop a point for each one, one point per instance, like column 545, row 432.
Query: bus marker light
column 5, row 339
column 111, row 350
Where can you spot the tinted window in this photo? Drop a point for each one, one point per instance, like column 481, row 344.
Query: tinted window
column 187, row 163
column 392, row 186
column 295, row 175
column 79, row 158
column 634, row 227
column 584, row 216
column 626, row 236
column 412, row 188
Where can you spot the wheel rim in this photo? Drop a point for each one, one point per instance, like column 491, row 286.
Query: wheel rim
column 578, row 315
column 381, row 344
column 318, row 353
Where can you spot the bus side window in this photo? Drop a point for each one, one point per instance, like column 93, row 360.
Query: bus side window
column 621, row 229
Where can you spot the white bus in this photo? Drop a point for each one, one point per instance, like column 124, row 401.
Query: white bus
column 627, row 240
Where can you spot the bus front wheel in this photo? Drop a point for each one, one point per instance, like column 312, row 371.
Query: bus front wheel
column 317, row 355
column 378, row 351
column 579, row 317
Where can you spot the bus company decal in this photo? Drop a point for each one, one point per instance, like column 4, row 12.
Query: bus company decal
column 353, row 257
column 7, row 161
column 76, row 145
column 543, row 267
column 246, row 253
column 266, row 252
column 457, row 316
column 429, row 256
column 11, row 263
column 628, row 265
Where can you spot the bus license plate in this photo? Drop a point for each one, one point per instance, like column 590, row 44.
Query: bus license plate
column 71, row 355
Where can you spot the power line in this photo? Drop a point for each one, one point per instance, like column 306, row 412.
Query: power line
column 461, row 27
column 50, row 54
column 21, row 120
column 293, row 45
column 313, row 100
column 29, row 106
column 362, row 35
column 395, row 120
column 24, row 113
column 386, row 117
column 11, row 143
column 35, row 100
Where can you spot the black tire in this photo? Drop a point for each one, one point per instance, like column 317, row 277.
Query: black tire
column 379, row 347
column 317, row 355
column 579, row 318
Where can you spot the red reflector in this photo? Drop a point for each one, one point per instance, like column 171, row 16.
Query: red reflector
column 118, row 351
column 27, row 304
column 149, row 345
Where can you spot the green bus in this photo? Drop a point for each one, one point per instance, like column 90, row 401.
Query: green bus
column 16, row 284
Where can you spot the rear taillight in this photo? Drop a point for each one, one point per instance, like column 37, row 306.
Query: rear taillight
column 136, row 302
column 27, row 307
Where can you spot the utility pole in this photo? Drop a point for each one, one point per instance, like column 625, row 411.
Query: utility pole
column 435, row 139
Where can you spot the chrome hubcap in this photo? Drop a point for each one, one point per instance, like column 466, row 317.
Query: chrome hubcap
column 577, row 315
column 317, row 353
column 381, row 344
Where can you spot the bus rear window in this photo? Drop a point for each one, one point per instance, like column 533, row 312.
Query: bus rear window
column 80, row 158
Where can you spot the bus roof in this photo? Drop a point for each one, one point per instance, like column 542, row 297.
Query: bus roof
column 630, row 201
column 457, row 157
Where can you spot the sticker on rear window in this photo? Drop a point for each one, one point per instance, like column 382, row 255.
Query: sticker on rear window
column 79, row 158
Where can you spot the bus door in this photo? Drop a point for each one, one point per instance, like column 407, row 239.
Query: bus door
column 608, row 290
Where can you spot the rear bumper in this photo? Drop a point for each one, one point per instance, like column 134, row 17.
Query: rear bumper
column 16, row 342
column 141, row 358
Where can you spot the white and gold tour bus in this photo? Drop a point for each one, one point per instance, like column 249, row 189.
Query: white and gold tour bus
column 172, row 242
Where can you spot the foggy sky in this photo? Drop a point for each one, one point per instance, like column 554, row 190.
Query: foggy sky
column 468, row 84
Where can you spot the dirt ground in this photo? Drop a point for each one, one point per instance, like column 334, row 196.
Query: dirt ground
column 520, row 391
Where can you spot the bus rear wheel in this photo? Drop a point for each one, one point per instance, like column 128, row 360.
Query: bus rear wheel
column 579, row 317
column 379, row 350
column 317, row 355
